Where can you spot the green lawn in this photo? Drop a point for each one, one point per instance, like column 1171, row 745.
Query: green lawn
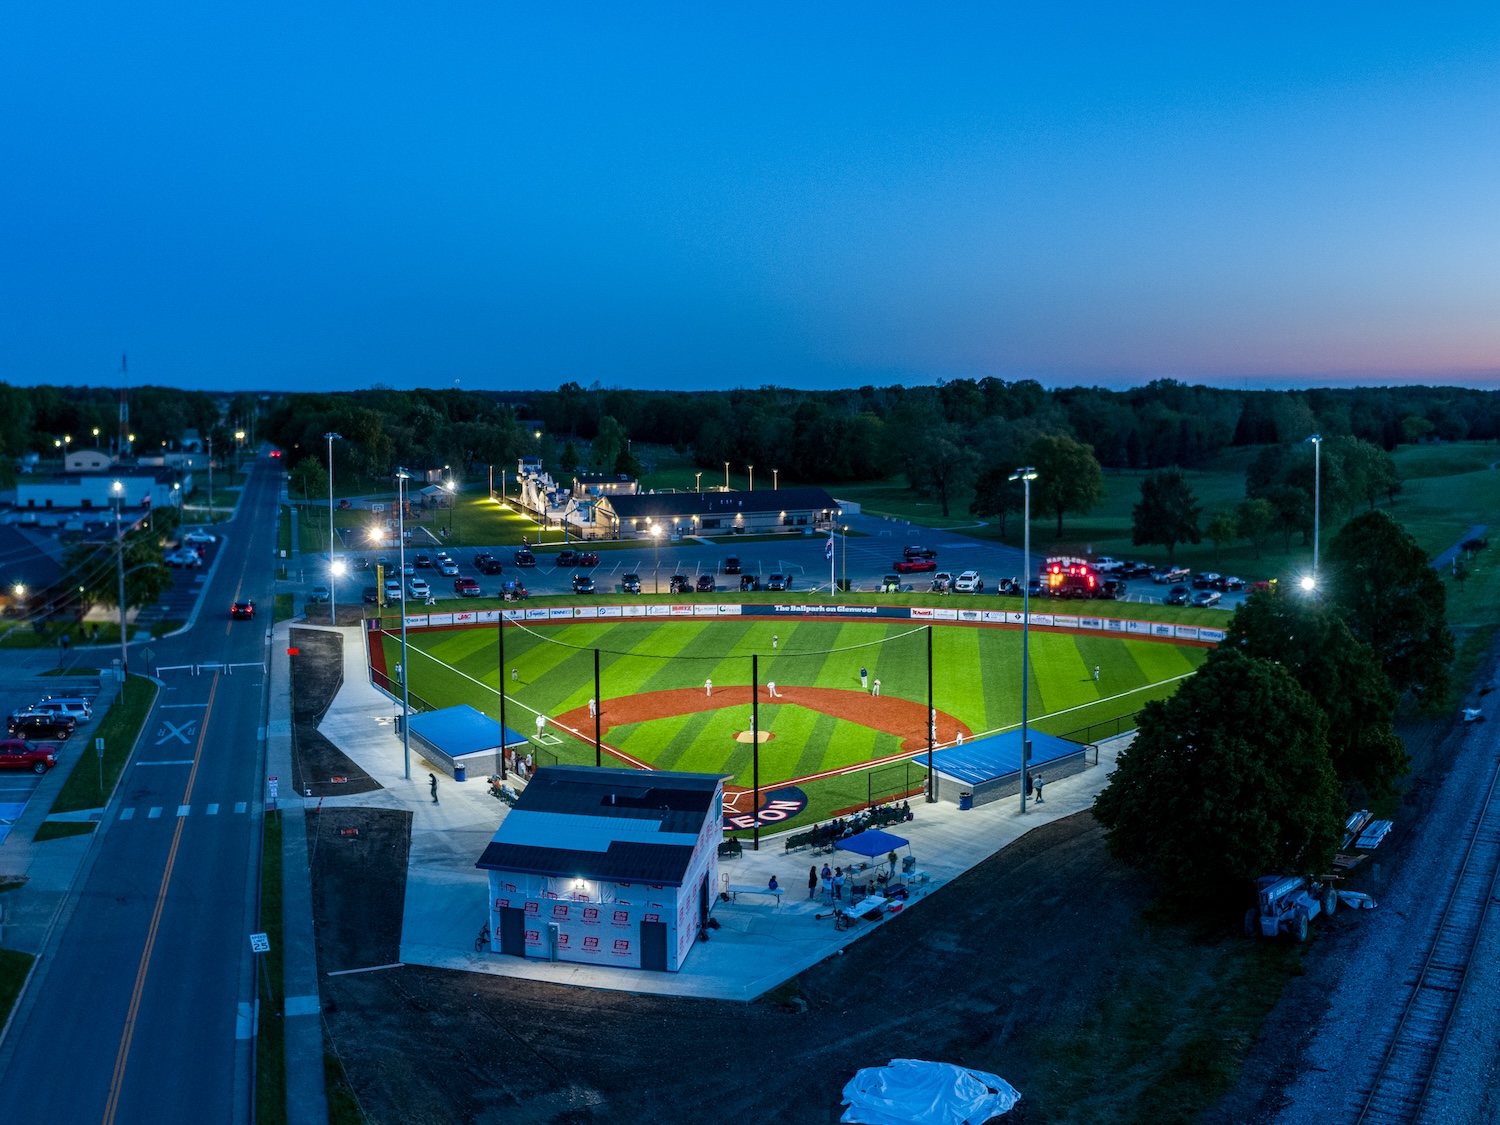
column 120, row 728
column 975, row 681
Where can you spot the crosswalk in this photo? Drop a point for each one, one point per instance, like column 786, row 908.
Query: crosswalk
column 154, row 812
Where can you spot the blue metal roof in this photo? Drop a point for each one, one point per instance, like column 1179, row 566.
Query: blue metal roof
column 998, row 755
column 461, row 730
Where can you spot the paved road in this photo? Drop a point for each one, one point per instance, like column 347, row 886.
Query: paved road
column 135, row 1016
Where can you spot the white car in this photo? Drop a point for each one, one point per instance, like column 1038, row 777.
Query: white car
column 419, row 588
column 198, row 535
column 393, row 592
column 448, row 568
column 408, row 570
column 186, row 557
column 969, row 582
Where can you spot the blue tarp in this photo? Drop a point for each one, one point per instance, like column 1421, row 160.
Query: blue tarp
column 872, row 843
column 999, row 755
column 461, row 730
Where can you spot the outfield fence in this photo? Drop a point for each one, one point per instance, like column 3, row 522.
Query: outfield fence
column 1107, row 728
column 893, row 782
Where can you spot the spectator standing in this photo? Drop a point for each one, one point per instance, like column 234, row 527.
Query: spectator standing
column 1038, row 782
column 827, row 875
column 838, row 884
column 812, row 881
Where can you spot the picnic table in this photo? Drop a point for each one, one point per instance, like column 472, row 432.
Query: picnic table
column 737, row 889
column 844, row 915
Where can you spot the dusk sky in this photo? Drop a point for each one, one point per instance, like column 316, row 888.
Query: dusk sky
column 329, row 195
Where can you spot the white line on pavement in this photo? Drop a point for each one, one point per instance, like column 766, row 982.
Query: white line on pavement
column 127, row 814
column 154, row 813
column 173, row 762
column 239, row 806
column 213, row 810
column 183, row 810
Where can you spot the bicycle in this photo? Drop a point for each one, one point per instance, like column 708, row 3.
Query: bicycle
column 481, row 943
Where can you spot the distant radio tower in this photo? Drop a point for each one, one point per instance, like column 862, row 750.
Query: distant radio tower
column 124, row 407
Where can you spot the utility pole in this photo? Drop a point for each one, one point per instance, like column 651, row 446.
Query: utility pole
column 118, row 489
column 210, row 478
column 333, row 574
column 402, row 476
column 1026, row 476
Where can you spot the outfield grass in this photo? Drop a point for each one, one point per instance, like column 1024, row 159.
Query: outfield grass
column 975, row 680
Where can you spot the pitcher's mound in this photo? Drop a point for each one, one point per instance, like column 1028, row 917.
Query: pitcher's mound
column 744, row 736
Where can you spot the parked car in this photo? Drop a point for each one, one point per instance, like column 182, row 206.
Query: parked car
column 513, row 591
column 74, row 706
column 1135, row 570
column 1105, row 564
column 583, row 583
column 1206, row 599
column 1206, row 580
column 630, row 583
column 361, row 563
column 370, row 595
column 588, row 558
column 423, row 561
column 1036, row 589
column 1178, row 595
column 749, row 582
column 198, row 535
column 732, row 564
column 318, row 594
column 942, row 583
column 912, row 566
column 489, row 564
column 18, row 754
column 890, row 584
column 40, row 724
column 448, row 568
column 523, row 557
column 408, row 571
column 466, row 587
column 779, row 582
column 1167, row 575
column 419, row 588
column 185, row 557
column 680, row 584
column 243, row 611
column 919, row 552
column 705, row 583
column 567, row 558
column 969, row 582
column 393, row 591
column 1230, row 583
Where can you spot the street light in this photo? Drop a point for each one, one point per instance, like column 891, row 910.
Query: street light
column 656, row 574
column 726, row 476
column 451, row 502
column 333, row 572
column 1317, row 444
column 752, row 477
column 96, row 437
column 117, row 493
column 1309, row 583
column 775, row 480
column 698, row 481
column 402, row 476
column 1025, row 476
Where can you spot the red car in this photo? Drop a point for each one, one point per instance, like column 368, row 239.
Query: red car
column 909, row 566
column 466, row 587
column 18, row 754
column 589, row 558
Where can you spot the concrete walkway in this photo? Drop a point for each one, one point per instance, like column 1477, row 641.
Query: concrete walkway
column 1446, row 558
column 758, row 945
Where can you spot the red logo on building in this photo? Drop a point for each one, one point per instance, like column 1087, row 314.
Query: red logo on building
column 532, row 907
column 560, row 910
column 653, row 918
column 562, row 939
column 533, row 937
column 591, row 944
column 591, row 914
column 622, row 917
column 622, row 947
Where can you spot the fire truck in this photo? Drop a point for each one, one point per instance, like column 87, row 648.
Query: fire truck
column 1065, row 577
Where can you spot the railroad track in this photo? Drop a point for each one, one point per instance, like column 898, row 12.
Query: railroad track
column 1408, row 1072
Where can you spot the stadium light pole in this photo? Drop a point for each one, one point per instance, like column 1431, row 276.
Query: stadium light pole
column 755, row 750
column 931, row 721
column 333, row 578
column 402, row 476
column 1025, row 476
column 598, row 713
column 1317, row 444
column 117, row 491
column 500, row 631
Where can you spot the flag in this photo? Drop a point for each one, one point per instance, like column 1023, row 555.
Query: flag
column 828, row 550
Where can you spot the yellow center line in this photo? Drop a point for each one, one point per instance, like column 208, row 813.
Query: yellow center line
column 117, row 1081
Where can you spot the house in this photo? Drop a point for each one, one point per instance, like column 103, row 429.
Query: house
column 139, row 487
column 601, row 866
column 715, row 513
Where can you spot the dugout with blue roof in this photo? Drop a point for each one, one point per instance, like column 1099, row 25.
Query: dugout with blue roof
column 462, row 736
column 990, row 767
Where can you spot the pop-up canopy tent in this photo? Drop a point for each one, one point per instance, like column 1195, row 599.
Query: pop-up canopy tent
column 872, row 843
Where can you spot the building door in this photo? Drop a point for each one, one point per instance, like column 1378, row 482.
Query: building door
column 654, row 946
column 513, row 930
column 703, row 902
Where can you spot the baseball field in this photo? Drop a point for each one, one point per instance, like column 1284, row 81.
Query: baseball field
column 822, row 729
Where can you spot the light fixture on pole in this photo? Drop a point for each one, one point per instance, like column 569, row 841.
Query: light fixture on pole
column 775, row 480
column 96, row 437
column 1025, row 476
column 698, row 481
column 333, row 574
column 117, row 493
column 1317, row 444
column 752, row 477
column 726, row 476
column 402, row 476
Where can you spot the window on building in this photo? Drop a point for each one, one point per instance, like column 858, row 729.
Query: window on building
column 707, row 523
column 87, row 503
column 49, row 503
column 801, row 521
column 786, row 521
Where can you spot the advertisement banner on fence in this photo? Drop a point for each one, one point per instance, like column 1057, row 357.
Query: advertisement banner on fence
column 1114, row 625
column 1160, row 629
column 1185, row 632
column 613, row 610
column 1138, row 627
column 994, row 616
column 1090, row 623
column 945, row 615
column 536, row 615
column 416, row 620
column 658, row 610
column 586, row 611
column 728, row 610
column 1215, row 635
column 920, row 613
column 970, row 615
column 1064, row 622
column 762, row 609
column 1041, row 619
column 560, row 612
column 705, row 611
column 487, row 616
column 682, row 611
column 440, row 619
column 634, row 611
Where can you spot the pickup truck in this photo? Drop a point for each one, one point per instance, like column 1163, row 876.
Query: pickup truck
column 466, row 587
column 911, row 566
column 918, row 552
column 567, row 558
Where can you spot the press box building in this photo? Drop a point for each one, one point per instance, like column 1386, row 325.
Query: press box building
column 606, row 866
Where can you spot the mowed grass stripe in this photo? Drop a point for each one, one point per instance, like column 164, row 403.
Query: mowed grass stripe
column 957, row 653
column 670, row 751
column 715, row 748
column 1161, row 662
column 1064, row 681
column 1118, row 671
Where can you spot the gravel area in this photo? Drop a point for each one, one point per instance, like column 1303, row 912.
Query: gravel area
column 1324, row 1041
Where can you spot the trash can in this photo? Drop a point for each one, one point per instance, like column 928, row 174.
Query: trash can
column 458, row 771
column 965, row 802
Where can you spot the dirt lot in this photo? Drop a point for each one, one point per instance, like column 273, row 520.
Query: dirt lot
column 1045, row 965
column 317, row 675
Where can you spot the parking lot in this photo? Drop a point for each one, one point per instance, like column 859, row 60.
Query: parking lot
column 17, row 786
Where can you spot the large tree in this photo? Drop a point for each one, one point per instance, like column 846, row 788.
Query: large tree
column 94, row 569
column 1379, row 578
column 1068, row 478
column 1342, row 674
column 1254, row 519
column 1167, row 513
column 947, row 465
column 995, row 494
column 1228, row 779
column 309, row 479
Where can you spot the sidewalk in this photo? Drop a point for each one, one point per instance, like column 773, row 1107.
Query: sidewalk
column 757, row 947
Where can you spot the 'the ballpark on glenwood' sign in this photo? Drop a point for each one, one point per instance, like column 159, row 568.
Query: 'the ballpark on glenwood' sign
column 776, row 805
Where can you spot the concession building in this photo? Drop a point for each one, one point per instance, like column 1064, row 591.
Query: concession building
column 646, row 516
column 606, row 866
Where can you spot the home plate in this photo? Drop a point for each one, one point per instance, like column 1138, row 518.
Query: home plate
column 744, row 736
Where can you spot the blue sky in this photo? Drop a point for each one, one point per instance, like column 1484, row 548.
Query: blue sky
column 335, row 194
